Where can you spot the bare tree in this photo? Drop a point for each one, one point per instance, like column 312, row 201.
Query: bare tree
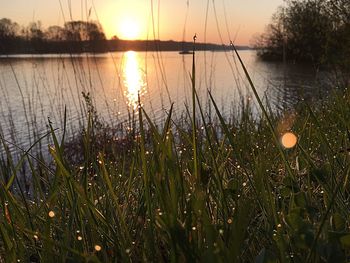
column 8, row 29
column 83, row 31
column 35, row 31
column 55, row 33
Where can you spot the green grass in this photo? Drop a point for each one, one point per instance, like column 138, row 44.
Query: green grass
column 187, row 190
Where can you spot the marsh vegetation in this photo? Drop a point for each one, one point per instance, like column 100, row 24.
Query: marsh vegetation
column 255, row 184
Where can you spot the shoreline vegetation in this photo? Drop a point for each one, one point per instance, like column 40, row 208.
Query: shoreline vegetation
column 104, row 46
column 190, row 190
column 316, row 32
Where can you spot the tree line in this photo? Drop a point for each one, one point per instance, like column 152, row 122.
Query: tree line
column 74, row 36
column 316, row 31
column 78, row 37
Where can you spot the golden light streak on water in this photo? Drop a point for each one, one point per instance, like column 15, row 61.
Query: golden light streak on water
column 133, row 79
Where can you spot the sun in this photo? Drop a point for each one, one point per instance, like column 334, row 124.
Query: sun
column 129, row 29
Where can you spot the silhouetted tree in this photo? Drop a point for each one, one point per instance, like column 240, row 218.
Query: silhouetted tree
column 308, row 30
column 8, row 35
column 339, row 10
column 272, row 43
column 83, row 31
column 55, row 33
column 94, row 32
column 8, row 29
column 35, row 31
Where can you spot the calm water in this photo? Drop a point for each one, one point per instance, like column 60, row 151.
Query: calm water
column 35, row 88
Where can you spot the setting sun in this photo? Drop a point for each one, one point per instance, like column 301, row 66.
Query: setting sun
column 129, row 29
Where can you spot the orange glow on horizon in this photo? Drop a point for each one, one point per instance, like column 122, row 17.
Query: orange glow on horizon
column 164, row 20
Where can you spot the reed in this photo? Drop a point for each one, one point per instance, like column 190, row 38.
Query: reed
column 194, row 188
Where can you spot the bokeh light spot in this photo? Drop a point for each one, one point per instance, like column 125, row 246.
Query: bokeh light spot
column 289, row 140
column 98, row 248
column 51, row 214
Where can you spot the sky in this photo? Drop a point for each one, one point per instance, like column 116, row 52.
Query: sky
column 214, row 21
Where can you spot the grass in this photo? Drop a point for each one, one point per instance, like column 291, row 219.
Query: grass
column 187, row 190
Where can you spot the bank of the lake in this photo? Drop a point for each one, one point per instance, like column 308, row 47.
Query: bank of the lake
column 187, row 190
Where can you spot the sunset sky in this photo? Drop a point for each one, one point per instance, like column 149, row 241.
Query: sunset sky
column 131, row 19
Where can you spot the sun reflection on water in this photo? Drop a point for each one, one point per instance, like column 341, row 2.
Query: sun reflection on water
column 133, row 79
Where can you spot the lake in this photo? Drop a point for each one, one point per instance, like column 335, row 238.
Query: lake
column 35, row 88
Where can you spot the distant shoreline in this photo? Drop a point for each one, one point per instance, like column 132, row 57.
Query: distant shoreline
column 104, row 46
column 80, row 54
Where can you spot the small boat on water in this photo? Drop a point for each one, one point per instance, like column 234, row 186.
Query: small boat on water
column 185, row 52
